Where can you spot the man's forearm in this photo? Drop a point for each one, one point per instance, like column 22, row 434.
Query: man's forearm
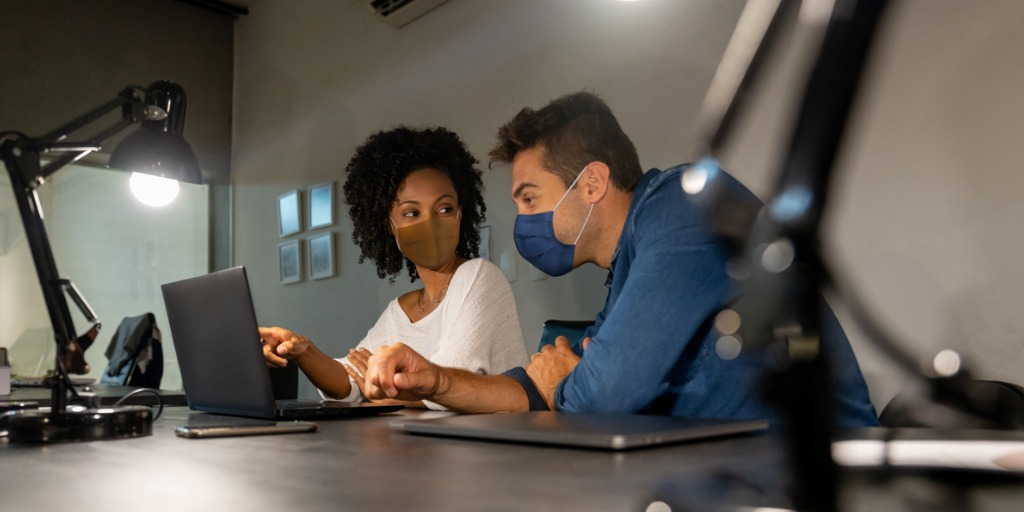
column 463, row 391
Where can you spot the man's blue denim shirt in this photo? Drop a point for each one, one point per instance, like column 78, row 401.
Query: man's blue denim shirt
column 652, row 347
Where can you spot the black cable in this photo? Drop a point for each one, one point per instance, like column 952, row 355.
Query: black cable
column 159, row 399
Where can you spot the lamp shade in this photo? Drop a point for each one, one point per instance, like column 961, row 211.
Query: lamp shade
column 158, row 147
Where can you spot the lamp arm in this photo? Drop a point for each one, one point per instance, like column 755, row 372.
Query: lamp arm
column 21, row 156
column 131, row 101
column 756, row 29
column 76, row 295
column 79, row 150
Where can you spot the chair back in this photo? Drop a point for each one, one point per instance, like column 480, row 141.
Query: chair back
column 135, row 354
column 973, row 403
column 572, row 329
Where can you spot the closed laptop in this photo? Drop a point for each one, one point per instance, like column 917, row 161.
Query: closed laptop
column 603, row 431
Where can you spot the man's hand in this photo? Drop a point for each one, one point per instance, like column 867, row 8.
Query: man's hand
column 281, row 345
column 397, row 371
column 551, row 365
column 356, row 368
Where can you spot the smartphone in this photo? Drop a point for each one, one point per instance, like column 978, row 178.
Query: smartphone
column 244, row 429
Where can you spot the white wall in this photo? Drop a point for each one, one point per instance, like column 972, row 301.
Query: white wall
column 926, row 195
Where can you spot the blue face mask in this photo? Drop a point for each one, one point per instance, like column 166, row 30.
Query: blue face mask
column 535, row 238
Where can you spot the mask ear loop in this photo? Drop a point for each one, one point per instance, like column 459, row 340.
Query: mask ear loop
column 395, row 231
column 566, row 194
column 458, row 220
column 571, row 185
column 584, row 224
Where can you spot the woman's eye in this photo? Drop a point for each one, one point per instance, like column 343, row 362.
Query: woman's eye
column 444, row 210
column 411, row 214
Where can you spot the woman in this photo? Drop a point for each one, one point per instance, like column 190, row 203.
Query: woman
column 416, row 202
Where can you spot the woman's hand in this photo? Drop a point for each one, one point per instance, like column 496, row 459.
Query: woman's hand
column 281, row 345
column 356, row 367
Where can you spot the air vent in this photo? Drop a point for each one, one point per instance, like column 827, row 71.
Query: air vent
column 400, row 12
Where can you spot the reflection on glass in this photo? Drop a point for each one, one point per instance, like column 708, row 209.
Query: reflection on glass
column 320, row 205
column 288, row 213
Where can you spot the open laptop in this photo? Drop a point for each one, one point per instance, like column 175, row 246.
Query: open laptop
column 217, row 340
column 604, row 431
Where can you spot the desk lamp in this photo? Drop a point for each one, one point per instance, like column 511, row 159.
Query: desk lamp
column 156, row 149
column 779, row 263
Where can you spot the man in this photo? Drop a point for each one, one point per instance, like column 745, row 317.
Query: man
column 583, row 198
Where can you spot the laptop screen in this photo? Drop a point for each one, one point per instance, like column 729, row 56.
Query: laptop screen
column 213, row 324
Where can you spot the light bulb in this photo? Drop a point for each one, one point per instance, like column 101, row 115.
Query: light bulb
column 153, row 190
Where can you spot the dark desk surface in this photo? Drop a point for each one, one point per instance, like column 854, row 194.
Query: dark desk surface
column 108, row 395
column 360, row 464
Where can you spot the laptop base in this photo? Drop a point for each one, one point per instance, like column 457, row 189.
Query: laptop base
column 330, row 409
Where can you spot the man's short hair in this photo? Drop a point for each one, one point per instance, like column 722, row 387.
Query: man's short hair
column 573, row 130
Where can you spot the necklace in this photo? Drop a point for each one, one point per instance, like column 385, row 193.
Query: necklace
column 440, row 295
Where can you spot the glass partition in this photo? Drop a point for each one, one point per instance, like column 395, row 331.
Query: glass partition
column 117, row 250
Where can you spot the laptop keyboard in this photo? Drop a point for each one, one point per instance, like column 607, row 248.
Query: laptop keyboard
column 306, row 404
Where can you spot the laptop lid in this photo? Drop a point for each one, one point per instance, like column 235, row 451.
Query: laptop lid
column 604, row 431
column 217, row 340
column 216, row 337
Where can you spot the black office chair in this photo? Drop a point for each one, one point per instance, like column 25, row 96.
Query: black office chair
column 962, row 403
column 285, row 381
column 572, row 329
column 135, row 354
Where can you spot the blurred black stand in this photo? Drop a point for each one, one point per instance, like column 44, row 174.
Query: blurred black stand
column 779, row 261
column 784, row 256
column 781, row 270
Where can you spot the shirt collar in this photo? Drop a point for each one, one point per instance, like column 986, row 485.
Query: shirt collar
column 638, row 192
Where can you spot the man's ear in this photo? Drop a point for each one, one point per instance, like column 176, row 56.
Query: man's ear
column 595, row 182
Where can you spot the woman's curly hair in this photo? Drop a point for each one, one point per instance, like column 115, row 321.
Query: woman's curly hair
column 379, row 167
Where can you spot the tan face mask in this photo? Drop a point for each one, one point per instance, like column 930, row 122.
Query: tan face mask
column 430, row 243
